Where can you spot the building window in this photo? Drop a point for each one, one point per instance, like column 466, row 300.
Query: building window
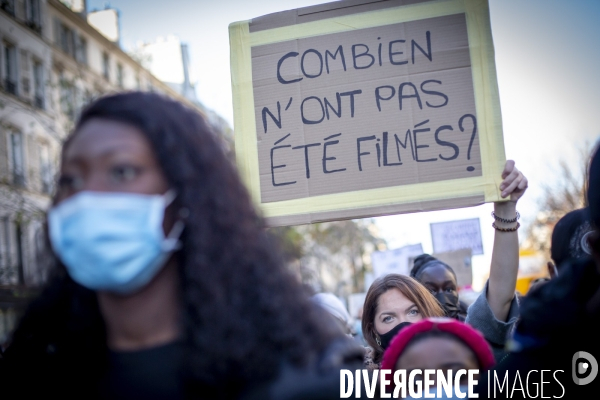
column 67, row 97
column 46, row 172
column 38, row 85
column 106, row 66
column 138, row 83
column 120, row 75
column 7, row 258
column 25, row 75
column 81, row 50
column 8, row 6
column 66, row 39
column 18, row 163
column 33, row 20
column 10, row 68
column 11, row 253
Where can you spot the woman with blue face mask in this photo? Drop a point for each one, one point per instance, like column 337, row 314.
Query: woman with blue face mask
column 165, row 285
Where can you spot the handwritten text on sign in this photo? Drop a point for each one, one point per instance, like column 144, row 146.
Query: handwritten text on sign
column 371, row 108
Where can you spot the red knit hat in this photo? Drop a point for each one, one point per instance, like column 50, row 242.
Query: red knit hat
column 466, row 334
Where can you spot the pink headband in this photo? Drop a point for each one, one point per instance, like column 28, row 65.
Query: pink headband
column 470, row 336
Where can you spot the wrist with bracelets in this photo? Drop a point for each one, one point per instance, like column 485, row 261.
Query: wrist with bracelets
column 513, row 229
column 506, row 221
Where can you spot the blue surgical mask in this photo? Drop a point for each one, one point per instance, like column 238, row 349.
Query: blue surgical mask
column 113, row 241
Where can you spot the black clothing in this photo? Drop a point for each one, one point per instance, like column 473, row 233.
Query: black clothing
column 152, row 373
column 558, row 320
column 34, row 371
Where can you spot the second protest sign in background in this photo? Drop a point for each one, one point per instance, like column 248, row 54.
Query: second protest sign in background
column 358, row 108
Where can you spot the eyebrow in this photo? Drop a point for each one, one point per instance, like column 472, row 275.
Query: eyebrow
column 109, row 151
column 433, row 283
column 387, row 313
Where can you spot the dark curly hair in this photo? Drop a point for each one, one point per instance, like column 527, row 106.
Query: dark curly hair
column 425, row 260
column 244, row 312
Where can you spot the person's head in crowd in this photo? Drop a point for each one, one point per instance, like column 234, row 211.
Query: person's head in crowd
column 334, row 306
column 593, row 197
column 593, row 191
column 570, row 237
column 440, row 279
column 153, row 231
column 440, row 344
column 392, row 303
column 571, row 241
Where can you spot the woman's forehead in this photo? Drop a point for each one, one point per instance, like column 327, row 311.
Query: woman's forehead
column 436, row 272
column 98, row 137
column 393, row 299
column 433, row 351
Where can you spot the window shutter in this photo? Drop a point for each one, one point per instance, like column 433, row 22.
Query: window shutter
column 56, row 29
column 25, row 74
column 21, row 10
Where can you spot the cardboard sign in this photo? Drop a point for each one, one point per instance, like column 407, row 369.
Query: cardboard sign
column 456, row 235
column 363, row 108
column 397, row 261
column 460, row 261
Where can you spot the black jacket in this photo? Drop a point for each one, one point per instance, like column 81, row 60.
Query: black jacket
column 558, row 320
column 37, row 368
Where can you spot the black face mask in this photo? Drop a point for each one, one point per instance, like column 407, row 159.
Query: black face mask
column 449, row 302
column 386, row 338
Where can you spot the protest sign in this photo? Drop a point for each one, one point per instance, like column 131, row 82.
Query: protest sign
column 397, row 261
column 460, row 261
column 456, row 235
column 361, row 108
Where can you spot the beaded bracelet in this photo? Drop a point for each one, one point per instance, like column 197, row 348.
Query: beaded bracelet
column 506, row 221
column 506, row 229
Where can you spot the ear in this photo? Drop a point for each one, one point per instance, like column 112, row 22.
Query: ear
column 593, row 239
column 594, row 242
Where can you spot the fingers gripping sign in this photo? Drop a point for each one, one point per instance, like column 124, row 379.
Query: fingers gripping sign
column 514, row 183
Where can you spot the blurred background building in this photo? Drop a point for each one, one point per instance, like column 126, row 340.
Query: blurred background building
column 168, row 59
column 54, row 59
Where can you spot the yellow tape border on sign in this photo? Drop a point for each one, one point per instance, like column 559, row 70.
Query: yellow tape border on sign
column 487, row 105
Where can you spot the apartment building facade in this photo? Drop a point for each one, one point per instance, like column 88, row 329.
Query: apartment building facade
column 52, row 63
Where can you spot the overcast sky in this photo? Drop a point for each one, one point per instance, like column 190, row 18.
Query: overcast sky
column 547, row 58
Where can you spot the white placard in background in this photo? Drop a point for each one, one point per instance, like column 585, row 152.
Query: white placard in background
column 355, row 303
column 397, row 261
column 456, row 235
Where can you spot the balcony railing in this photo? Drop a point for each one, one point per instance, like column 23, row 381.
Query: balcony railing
column 10, row 86
column 9, row 275
column 39, row 102
column 18, row 179
column 35, row 26
column 7, row 7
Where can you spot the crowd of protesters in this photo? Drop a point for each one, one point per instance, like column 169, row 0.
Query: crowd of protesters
column 166, row 286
